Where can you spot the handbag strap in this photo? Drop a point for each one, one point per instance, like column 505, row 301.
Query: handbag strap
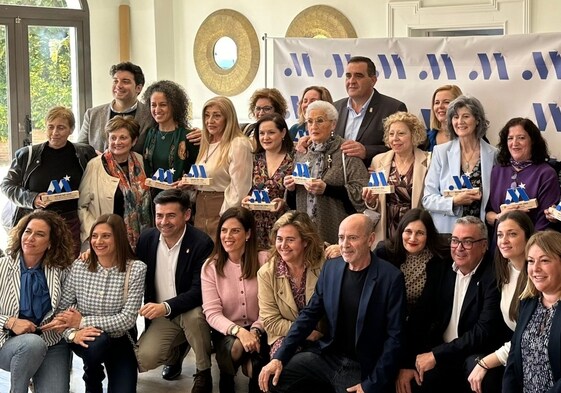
column 126, row 285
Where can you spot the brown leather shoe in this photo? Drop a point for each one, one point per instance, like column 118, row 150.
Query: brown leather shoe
column 202, row 382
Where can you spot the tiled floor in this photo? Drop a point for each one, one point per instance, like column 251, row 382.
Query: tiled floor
column 149, row 382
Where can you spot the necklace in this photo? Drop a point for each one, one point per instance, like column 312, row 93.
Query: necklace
column 210, row 153
column 466, row 166
column 163, row 134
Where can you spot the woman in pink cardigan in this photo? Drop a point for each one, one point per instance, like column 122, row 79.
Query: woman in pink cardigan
column 229, row 286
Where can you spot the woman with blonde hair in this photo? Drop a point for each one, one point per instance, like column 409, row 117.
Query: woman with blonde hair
column 441, row 98
column 533, row 361
column 405, row 166
column 227, row 156
column 287, row 281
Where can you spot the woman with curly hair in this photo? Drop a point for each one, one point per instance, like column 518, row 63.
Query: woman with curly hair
column 405, row 166
column 40, row 250
column 166, row 145
column 262, row 102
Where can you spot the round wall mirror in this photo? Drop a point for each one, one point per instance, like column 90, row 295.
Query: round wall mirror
column 225, row 53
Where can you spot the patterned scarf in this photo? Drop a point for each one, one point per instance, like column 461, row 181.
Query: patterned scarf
column 519, row 165
column 135, row 193
column 316, row 153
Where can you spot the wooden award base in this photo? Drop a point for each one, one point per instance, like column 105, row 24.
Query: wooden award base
column 195, row 181
column 301, row 180
column 451, row 193
column 555, row 213
column 380, row 189
column 162, row 185
column 60, row 196
column 263, row 206
column 524, row 205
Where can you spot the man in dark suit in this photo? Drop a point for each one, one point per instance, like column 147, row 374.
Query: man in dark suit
column 174, row 253
column 461, row 320
column 362, row 299
column 128, row 81
column 361, row 114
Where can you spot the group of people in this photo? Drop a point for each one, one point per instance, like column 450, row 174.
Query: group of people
column 422, row 290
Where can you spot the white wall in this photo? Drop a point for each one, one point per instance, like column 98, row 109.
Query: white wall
column 163, row 32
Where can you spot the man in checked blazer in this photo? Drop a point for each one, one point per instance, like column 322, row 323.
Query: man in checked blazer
column 174, row 252
column 362, row 113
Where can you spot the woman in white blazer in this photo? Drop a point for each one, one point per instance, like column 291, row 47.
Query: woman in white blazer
column 113, row 182
column 467, row 154
column 40, row 250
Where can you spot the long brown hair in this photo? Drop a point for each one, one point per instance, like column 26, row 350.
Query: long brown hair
column 501, row 263
column 60, row 253
column 123, row 249
column 250, row 262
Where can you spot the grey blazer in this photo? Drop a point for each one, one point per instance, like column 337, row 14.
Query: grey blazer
column 95, row 119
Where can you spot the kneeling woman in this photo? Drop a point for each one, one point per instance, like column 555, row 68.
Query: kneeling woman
column 106, row 291
column 229, row 286
column 32, row 275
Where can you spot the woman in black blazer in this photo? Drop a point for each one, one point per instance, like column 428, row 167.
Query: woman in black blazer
column 534, row 361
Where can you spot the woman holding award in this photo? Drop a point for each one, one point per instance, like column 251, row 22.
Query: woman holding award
column 272, row 161
column 405, row 167
column 166, row 146
column 114, row 182
column 55, row 165
column 226, row 156
column 334, row 188
column 458, row 181
column 522, row 162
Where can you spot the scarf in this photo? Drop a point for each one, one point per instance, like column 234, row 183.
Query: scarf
column 519, row 165
column 177, row 153
column 136, row 194
column 35, row 300
column 316, row 152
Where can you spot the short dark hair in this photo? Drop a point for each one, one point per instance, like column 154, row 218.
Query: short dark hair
column 126, row 122
column 540, row 152
column 287, row 143
column 174, row 195
column 130, row 67
column 122, row 247
column 370, row 67
column 60, row 254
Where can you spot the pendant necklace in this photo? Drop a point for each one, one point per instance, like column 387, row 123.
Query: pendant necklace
column 210, row 153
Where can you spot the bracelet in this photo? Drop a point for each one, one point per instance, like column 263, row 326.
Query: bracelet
column 481, row 363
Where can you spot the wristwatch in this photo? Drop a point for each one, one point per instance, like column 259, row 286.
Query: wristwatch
column 71, row 336
column 235, row 330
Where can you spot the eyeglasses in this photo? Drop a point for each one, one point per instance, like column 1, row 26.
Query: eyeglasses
column 466, row 243
column 319, row 121
column 264, row 109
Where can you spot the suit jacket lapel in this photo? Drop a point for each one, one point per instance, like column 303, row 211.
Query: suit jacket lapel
column 419, row 173
column 284, row 293
column 554, row 346
column 182, row 258
column 332, row 291
column 368, row 115
column 342, row 120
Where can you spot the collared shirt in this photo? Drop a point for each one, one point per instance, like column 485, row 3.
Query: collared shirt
column 126, row 111
column 166, row 265
column 460, row 289
column 354, row 119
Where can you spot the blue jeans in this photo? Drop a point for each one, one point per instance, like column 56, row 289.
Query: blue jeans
column 22, row 356
column 311, row 371
column 53, row 376
column 120, row 363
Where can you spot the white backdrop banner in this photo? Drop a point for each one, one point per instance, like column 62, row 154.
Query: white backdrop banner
column 516, row 75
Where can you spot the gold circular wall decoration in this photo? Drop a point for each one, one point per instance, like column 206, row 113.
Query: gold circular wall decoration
column 226, row 23
column 321, row 21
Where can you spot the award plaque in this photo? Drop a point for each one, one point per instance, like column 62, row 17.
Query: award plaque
column 60, row 191
column 161, row 179
column 555, row 211
column 518, row 199
column 458, row 187
column 260, row 201
column 196, row 177
column 378, row 184
column 301, row 172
